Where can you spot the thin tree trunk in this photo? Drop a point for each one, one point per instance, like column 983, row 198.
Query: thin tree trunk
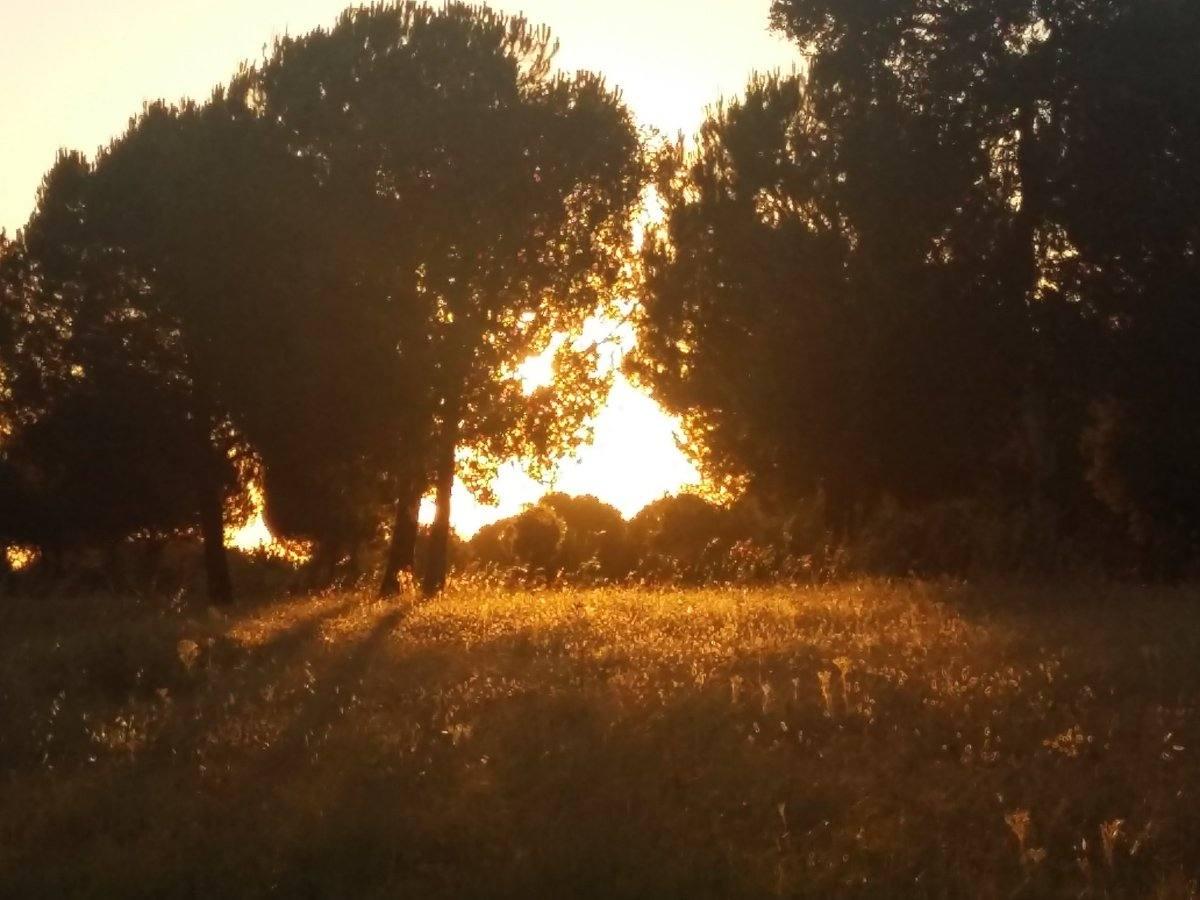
column 212, row 530
column 439, row 538
column 210, row 505
column 402, row 549
column 321, row 568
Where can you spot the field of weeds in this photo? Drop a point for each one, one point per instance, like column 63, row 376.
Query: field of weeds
column 866, row 739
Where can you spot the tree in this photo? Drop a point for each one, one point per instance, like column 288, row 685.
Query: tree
column 1086, row 113
column 594, row 540
column 682, row 536
column 912, row 271
column 233, row 258
column 816, row 307
column 500, row 197
column 537, row 538
column 1128, row 188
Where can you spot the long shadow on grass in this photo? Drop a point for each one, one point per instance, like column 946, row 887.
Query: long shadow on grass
column 627, row 779
column 332, row 684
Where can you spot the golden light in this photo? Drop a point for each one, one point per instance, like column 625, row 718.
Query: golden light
column 254, row 537
column 20, row 557
column 634, row 460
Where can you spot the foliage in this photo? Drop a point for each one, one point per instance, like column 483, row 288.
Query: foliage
column 577, row 538
column 100, row 407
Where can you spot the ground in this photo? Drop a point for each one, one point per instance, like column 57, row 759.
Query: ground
column 865, row 739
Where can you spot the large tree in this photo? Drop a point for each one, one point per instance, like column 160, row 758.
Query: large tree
column 909, row 270
column 199, row 228
column 99, row 441
column 1088, row 111
column 819, row 306
column 500, row 197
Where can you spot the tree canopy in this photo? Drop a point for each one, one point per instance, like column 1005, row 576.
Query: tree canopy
column 953, row 256
column 501, row 195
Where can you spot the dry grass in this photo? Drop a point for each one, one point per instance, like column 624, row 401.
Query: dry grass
column 866, row 739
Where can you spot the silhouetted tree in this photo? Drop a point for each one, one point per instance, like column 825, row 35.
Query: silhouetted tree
column 816, row 308
column 1085, row 113
column 579, row 538
column 679, row 536
column 537, row 537
column 500, row 198
column 233, row 257
column 1127, row 184
column 594, row 540
column 911, row 271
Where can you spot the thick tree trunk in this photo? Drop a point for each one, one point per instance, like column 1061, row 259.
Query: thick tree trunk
column 212, row 531
column 402, row 549
column 439, row 538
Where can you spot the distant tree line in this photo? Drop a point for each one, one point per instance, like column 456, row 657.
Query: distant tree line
column 684, row 539
column 931, row 303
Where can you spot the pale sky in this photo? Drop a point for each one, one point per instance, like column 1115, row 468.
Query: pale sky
column 72, row 72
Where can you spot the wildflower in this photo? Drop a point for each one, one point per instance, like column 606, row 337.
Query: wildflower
column 1070, row 743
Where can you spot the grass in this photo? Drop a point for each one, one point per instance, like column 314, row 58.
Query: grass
column 865, row 739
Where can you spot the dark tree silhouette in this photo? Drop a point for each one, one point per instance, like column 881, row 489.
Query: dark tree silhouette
column 1087, row 113
column 677, row 535
column 233, row 257
column 814, row 300
column 537, row 537
column 580, row 538
column 500, row 196
column 100, row 408
column 594, row 541
column 911, row 271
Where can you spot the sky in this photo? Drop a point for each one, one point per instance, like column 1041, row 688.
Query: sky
column 72, row 72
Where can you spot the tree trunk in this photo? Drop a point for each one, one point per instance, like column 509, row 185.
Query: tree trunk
column 1034, row 402
column 210, row 504
column 439, row 538
column 212, row 530
column 402, row 549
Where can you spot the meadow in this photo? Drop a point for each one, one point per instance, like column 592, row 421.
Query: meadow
column 864, row 739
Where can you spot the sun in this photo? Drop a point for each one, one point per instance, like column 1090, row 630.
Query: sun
column 636, row 455
column 635, row 459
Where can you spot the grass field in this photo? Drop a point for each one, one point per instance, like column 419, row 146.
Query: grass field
column 866, row 739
